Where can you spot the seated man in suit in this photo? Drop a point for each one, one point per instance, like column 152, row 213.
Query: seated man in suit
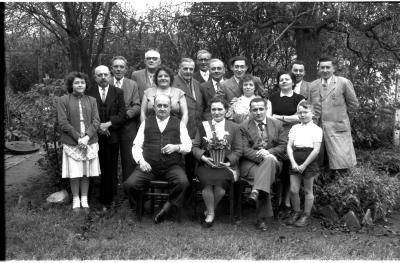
column 158, row 148
column 203, row 73
column 127, row 132
column 232, row 88
column 111, row 106
column 144, row 77
column 264, row 146
column 211, row 87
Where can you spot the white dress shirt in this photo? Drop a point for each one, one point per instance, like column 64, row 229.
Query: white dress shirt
column 120, row 82
column 101, row 92
column 137, row 149
column 297, row 87
column 205, row 74
column 214, row 82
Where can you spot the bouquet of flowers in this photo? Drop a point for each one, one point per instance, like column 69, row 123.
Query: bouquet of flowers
column 216, row 145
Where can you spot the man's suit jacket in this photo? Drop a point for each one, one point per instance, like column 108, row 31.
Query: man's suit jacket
column 197, row 76
column 234, row 139
column 231, row 89
column 208, row 92
column 143, row 81
column 277, row 142
column 113, row 109
column 195, row 106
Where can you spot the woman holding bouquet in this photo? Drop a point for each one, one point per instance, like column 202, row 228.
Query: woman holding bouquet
column 79, row 120
column 214, row 175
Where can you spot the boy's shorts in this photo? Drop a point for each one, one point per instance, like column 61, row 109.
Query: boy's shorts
column 300, row 154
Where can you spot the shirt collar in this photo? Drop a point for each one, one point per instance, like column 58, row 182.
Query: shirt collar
column 100, row 88
column 204, row 73
column 286, row 95
column 120, row 81
column 264, row 121
column 237, row 80
column 221, row 123
column 328, row 81
column 159, row 120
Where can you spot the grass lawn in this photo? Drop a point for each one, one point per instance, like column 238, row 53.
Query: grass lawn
column 37, row 231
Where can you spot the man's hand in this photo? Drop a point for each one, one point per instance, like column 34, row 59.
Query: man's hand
column 263, row 153
column 105, row 125
column 235, row 99
column 170, row 148
column 105, row 133
column 227, row 164
column 144, row 166
column 208, row 160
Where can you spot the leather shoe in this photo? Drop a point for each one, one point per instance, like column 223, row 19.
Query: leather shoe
column 159, row 217
column 209, row 221
column 302, row 221
column 293, row 218
column 262, row 226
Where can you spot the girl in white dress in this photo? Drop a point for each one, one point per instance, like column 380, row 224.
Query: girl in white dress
column 79, row 120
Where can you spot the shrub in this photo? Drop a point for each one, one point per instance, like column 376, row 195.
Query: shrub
column 361, row 189
column 34, row 113
column 382, row 159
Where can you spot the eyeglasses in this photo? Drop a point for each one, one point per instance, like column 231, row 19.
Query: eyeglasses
column 203, row 59
column 152, row 58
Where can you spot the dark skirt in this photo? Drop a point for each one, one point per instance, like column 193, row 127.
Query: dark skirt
column 300, row 155
column 214, row 176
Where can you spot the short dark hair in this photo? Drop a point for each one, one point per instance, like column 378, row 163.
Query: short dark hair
column 327, row 58
column 69, row 80
column 216, row 99
column 232, row 60
column 247, row 78
column 120, row 58
column 255, row 100
column 298, row 62
column 284, row 72
column 166, row 69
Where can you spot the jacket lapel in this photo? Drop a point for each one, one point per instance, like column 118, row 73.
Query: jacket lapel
column 326, row 91
column 270, row 132
column 252, row 130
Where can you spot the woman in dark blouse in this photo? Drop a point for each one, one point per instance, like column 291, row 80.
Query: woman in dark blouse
column 282, row 105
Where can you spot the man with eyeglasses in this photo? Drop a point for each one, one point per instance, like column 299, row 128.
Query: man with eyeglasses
column 144, row 77
column 211, row 87
column 158, row 148
column 232, row 88
column 203, row 73
column 264, row 146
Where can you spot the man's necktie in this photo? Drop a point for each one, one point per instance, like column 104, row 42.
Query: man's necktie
column 118, row 84
column 103, row 94
column 218, row 87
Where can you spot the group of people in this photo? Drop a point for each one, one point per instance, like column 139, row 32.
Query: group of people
column 161, row 125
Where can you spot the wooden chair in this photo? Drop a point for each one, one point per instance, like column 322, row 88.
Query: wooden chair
column 276, row 190
column 158, row 191
column 196, row 195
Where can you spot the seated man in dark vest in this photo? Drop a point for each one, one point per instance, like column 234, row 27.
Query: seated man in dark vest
column 158, row 150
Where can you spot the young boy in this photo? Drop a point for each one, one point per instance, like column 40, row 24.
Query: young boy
column 303, row 147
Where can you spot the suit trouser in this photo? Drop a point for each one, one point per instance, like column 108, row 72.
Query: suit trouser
column 108, row 157
column 127, row 134
column 175, row 175
column 264, row 176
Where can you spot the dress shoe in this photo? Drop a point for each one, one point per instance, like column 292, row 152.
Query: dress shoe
column 159, row 217
column 262, row 226
column 293, row 218
column 284, row 212
column 302, row 221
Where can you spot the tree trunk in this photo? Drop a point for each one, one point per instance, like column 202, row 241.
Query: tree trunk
column 308, row 48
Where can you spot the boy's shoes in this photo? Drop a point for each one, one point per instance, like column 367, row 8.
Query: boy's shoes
column 302, row 221
column 293, row 218
column 261, row 225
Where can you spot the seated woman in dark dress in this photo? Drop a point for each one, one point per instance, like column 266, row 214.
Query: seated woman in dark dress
column 215, row 178
column 283, row 106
